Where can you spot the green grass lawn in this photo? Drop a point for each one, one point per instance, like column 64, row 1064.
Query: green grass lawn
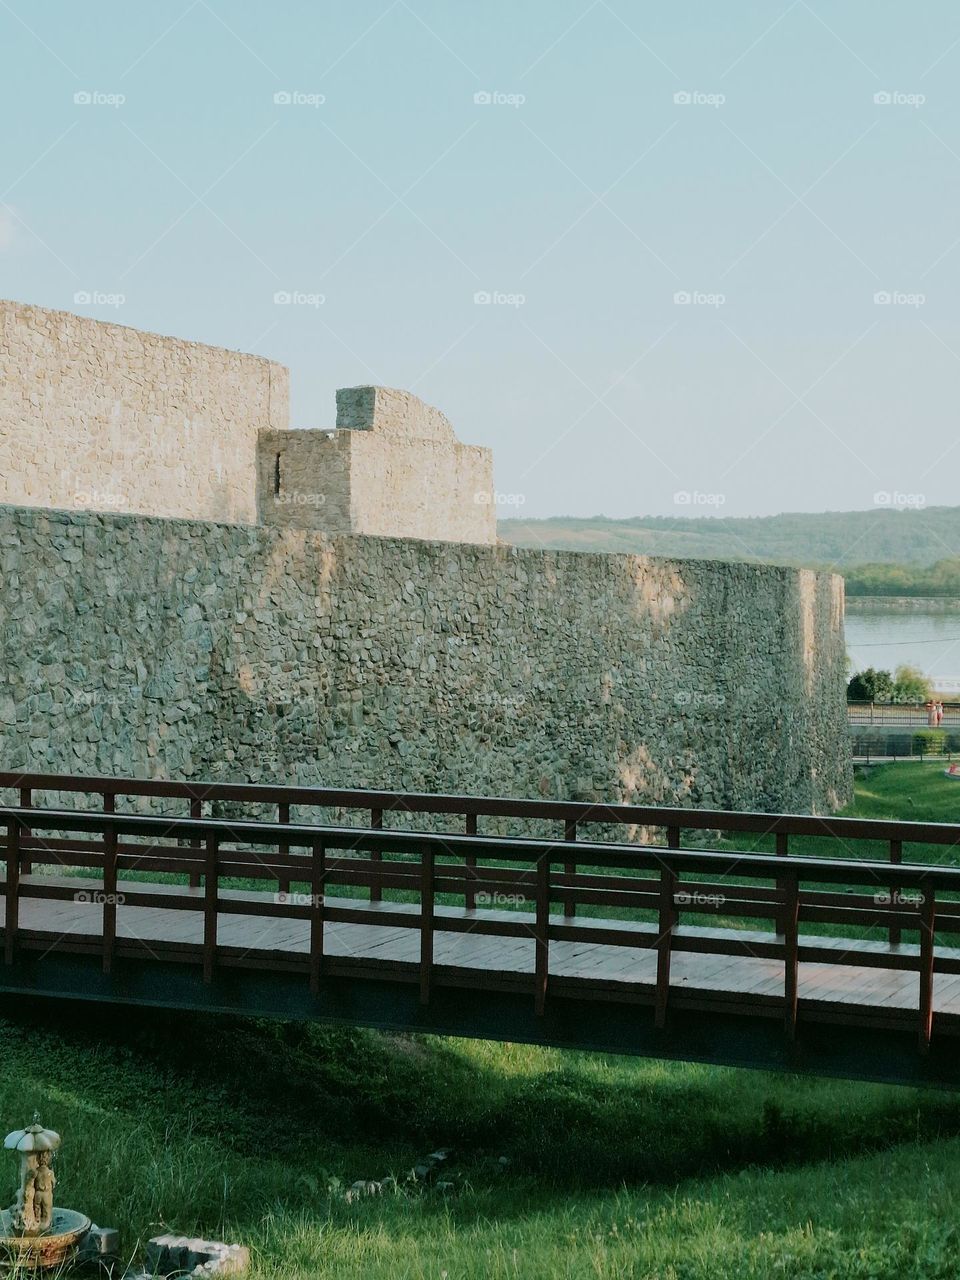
column 563, row 1164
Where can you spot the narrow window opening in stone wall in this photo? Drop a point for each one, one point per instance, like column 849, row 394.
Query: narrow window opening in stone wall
column 276, row 477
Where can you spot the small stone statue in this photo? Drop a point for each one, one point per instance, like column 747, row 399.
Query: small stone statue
column 33, row 1211
column 43, row 1183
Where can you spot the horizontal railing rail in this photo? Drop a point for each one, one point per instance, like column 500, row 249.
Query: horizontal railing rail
column 907, row 714
column 662, row 886
column 577, row 813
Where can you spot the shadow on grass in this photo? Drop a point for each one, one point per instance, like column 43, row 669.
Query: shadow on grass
column 572, row 1120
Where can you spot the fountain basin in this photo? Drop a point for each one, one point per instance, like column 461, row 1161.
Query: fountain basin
column 47, row 1248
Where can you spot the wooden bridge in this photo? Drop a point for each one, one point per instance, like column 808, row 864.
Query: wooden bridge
column 535, row 921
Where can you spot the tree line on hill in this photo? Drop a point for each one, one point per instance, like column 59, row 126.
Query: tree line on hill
column 898, row 552
column 939, row 579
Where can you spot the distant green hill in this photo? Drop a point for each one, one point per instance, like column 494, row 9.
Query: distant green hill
column 860, row 544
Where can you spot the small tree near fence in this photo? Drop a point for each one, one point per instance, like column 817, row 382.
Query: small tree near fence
column 909, row 685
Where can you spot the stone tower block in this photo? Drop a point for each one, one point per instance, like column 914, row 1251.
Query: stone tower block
column 392, row 468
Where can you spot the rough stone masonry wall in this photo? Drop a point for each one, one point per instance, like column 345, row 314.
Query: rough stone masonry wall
column 99, row 416
column 163, row 648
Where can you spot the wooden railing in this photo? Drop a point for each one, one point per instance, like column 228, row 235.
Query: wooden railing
column 667, row 885
column 570, row 817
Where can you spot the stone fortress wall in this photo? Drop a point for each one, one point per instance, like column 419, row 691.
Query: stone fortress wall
column 168, row 648
column 258, row 631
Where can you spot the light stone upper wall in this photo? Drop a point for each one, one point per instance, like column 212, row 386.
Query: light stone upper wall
column 431, row 489
column 166, row 648
column 393, row 468
column 100, row 416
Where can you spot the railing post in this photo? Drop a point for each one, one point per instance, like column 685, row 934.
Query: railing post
column 927, row 925
column 376, row 856
column 12, row 890
column 896, row 857
column 667, row 921
column 210, row 895
column 570, row 868
column 791, row 939
column 26, row 802
column 283, row 880
column 426, row 922
column 196, row 811
column 543, row 931
column 470, row 889
column 780, row 844
column 109, row 886
column 316, row 915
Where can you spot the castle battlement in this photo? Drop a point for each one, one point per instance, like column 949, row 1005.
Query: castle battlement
column 101, row 417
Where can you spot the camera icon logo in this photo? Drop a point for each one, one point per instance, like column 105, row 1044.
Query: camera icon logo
column 483, row 98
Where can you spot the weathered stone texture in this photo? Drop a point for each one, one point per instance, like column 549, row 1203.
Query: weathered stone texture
column 101, row 417
column 165, row 648
column 390, row 411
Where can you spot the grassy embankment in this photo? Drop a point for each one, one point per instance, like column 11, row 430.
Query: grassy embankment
column 616, row 1168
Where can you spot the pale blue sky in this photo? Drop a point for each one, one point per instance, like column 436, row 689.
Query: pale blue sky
column 597, row 199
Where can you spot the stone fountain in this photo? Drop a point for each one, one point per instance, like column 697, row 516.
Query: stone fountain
column 33, row 1233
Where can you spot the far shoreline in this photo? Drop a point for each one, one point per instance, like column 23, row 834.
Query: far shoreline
column 902, row 604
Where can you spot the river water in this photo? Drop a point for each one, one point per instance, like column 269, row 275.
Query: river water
column 886, row 635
